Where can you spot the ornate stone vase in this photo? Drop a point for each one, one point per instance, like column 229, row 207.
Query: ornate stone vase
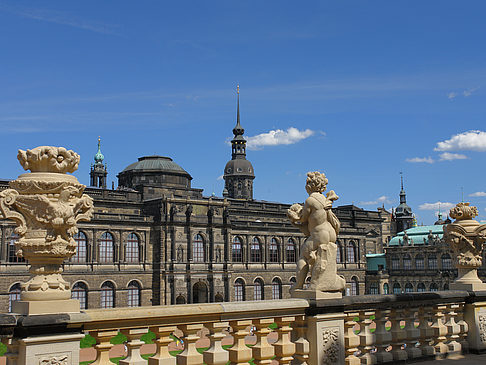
column 466, row 237
column 46, row 204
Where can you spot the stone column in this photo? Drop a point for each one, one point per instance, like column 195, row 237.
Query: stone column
column 46, row 205
column 466, row 237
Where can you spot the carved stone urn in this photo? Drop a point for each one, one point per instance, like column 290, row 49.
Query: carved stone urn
column 46, row 204
column 466, row 237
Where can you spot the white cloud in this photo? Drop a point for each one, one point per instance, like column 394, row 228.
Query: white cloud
column 278, row 137
column 470, row 141
column 469, row 92
column 447, row 156
column 452, row 95
column 478, row 193
column 443, row 206
column 420, row 160
column 381, row 200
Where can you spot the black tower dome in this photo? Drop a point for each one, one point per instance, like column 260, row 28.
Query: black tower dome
column 238, row 172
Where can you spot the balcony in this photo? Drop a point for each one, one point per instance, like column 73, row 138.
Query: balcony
column 411, row 327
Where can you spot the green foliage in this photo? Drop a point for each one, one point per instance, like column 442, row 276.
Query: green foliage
column 87, row 342
column 148, row 338
column 3, row 349
column 118, row 339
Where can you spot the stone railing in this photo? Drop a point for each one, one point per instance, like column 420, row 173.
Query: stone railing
column 353, row 330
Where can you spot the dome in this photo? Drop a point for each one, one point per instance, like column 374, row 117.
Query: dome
column 155, row 164
column 239, row 167
column 403, row 210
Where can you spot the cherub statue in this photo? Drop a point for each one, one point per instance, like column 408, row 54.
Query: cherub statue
column 317, row 221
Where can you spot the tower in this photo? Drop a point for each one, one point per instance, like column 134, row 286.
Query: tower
column 238, row 172
column 98, row 171
column 403, row 213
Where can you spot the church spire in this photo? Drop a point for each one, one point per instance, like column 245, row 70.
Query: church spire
column 98, row 171
column 238, row 129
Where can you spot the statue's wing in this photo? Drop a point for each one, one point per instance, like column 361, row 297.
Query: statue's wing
column 38, row 206
column 84, row 206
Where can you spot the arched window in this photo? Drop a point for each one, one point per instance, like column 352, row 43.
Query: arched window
column 374, row 288
column 218, row 298
column 276, row 288
column 12, row 257
column 198, row 248
column 307, row 282
column 395, row 263
column 273, row 251
column 255, row 250
column 338, row 253
column 290, row 251
column 446, row 261
column 106, row 247
column 407, row 262
column 386, row 288
column 239, row 290
column 13, row 295
column 351, row 252
column 446, row 286
column 81, row 250
column 408, row 288
column 354, row 286
column 258, row 288
column 419, row 262
column 107, row 295
column 421, row 287
column 80, row 292
column 236, row 250
column 132, row 248
column 397, row 289
column 134, row 297
column 434, row 287
column 180, row 299
column 292, row 281
column 432, row 262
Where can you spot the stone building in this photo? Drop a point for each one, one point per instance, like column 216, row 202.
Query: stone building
column 157, row 240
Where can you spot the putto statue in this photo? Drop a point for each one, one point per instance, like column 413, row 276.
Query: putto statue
column 318, row 253
column 46, row 205
column 466, row 237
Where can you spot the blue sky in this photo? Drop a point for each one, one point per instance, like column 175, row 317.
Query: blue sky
column 358, row 90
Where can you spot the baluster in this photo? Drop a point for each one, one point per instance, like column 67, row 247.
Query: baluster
column 398, row 335
column 351, row 339
column 439, row 332
column 216, row 354
column 133, row 345
column 382, row 336
column 302, row 347
column 12, row 354
column 239, row 353
column 367, row 339
column 103, row 346
column 426, row 332
column 412, row 333
column 284, row 347
column 162, row 341
column 463, row 329
column 453, row 329
column 190, row 355
column 262, row 351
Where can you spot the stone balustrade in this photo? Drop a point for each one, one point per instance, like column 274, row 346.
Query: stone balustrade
column 367, row 329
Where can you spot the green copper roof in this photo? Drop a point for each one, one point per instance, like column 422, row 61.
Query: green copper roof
column 99, row 156
column 375, row 260
column 155, row 163
column 418, row 235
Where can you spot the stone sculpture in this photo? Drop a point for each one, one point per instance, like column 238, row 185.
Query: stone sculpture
column 46, row 205
column 466, row 237
column 320, row 225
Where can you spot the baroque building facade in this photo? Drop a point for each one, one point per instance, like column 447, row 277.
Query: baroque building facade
column 157, row 240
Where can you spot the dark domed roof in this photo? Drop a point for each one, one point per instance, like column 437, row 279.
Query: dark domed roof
column 239, row 167
column 155, row 163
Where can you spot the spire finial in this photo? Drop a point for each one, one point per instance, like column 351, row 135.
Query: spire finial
column 238, row 106
column 401, row 178
column 237, row 88
column 99, row 156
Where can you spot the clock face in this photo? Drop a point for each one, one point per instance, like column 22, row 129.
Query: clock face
column 239, row 169
column 228, row 170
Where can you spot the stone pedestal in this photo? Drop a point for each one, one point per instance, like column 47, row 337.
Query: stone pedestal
column 325, row 333
column 50, row 350
column 314, row 294
column 475, row 316
column 46, row 306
